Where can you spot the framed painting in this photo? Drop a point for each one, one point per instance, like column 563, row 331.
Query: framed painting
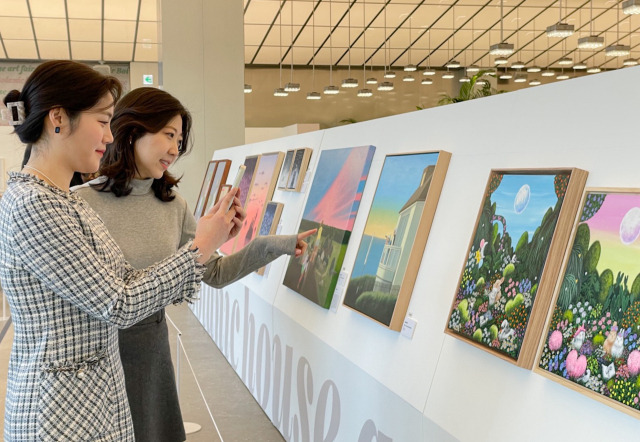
column 204, row 189
column 251, row 163
column 331, row 207
column 219, row 178
column 286, row 169
column 513, row 260
column 592, row 339
column 395, row 236
column 299, row 168
column 264, row 184
column 269, row 225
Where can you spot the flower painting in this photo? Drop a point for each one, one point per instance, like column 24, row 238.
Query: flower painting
column 331, row 207
column 509, row 253
column 593, row 335
column 395, row 235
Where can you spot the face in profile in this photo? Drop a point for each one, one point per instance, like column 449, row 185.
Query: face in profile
column 88, row 140
column 155, row 152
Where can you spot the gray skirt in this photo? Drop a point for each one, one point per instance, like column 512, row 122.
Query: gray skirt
column 150, row 381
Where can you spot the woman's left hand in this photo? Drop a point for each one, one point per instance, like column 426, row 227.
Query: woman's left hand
column 301, row 245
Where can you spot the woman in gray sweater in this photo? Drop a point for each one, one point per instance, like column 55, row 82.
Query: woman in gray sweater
column 134, row 196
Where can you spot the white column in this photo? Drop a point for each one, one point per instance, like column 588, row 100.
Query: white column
column 202, row 53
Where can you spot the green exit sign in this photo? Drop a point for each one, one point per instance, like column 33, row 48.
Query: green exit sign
column 147, row 79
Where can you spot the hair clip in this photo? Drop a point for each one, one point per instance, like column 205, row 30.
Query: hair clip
column 14, row 113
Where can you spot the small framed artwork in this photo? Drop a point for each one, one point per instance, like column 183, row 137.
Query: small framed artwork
column 286, row 169
column 395, row 235
column 514, row 259
column 204, row 189
column 269, row 225
column 299, row 168
column 331, row 207
column 219, row 178
column 592, row 339
column 251, row 163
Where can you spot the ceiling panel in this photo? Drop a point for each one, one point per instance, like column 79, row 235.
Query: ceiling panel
column 52, row 50
column 146, row 52
column 85, row 30
column 14, row 8
column 148, row 31
column 119, row 31
column 120, row 9
column 84, row 50
column 118, row 51
column 149, row 10
column 88, row 9
column 21, row 49
column 47, row 8
column 50, row 28
column 16, row 28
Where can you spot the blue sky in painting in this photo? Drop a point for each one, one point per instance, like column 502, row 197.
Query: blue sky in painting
column 543, row 196
column 326, row 172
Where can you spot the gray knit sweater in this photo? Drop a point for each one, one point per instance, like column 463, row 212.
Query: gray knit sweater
column 148, row 230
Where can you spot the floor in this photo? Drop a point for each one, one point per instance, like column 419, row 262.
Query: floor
column 237, row 415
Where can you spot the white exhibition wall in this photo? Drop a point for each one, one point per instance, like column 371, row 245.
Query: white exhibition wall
column 336, row 375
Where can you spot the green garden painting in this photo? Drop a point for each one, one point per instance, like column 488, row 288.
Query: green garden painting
column 507, row 256
column 390, row 234
column 331, row 207
column 593, row 336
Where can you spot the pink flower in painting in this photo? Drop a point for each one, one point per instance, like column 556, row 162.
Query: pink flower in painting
column 555, row 340
column 576, row 366
column 633, row 362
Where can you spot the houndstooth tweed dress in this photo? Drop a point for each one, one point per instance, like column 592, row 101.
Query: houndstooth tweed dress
column 70, row 289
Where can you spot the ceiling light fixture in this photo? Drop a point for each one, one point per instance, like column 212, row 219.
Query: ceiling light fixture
column 502, row 48
column 331, row 89
column 520, row 78
column 534, row 69
column 279, row 91
column 617, row 50
column 371, row 80
column 562, row 76
column 592, row 41
column 453, row 64
column 565, row 61
column 428, row 72
column 247, row 88
column 631, row 7
column 291, row 86
column 410, row 67
column 517, row 64
column 408, row 78
column 313, row 95
column 426, row 81
column 386, row 86
column 447, row 75
column 535, row 82
column 472, row 69
column 349, row 82
column 593, row 70
column 580, row 66
column 630, row 62
column 500, row 61
column 465, row 79
column 548, row 73
column 364, row 92
column 506, row 75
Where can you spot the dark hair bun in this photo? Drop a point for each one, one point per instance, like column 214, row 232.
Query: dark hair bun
column 12, row 96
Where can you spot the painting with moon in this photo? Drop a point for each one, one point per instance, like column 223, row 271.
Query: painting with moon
column 593, row 335
column 506, row 259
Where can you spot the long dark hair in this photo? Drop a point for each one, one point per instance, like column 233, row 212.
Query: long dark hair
column 141, row 111
column 70, row 85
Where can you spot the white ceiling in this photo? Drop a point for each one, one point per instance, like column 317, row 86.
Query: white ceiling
column 422, row 32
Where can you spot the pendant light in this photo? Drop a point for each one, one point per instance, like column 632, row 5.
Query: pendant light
column 453, row 64
column 593, row 70
column 331, row 89
column 631, row 7
column 535, row 82
column 410, row 67
column 502, row 48
column 592, row 41
column 349, row 82
column 247, row 88
column 580, row 65
column 630, row 61
column 291, row 86
column 429, row 71
column 548, row 72
column 473, row 68
column 364, row 92
column 517, row 64
column 279, row 91
column 617, row 50
column 535, row 68
column 560, row 29
column 313, row 95
column 386, row 86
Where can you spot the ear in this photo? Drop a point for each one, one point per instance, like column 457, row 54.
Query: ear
column 58, row 117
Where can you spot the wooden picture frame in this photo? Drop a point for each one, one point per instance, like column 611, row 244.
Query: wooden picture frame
column 591, row 340
column 283, row 179
column 204, row 189
column 224, row 189
column 506, row 285
column 299, row 166
column 388, row 260
column 217, row 181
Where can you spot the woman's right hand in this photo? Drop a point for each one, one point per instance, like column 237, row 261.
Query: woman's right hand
column 214, row 227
